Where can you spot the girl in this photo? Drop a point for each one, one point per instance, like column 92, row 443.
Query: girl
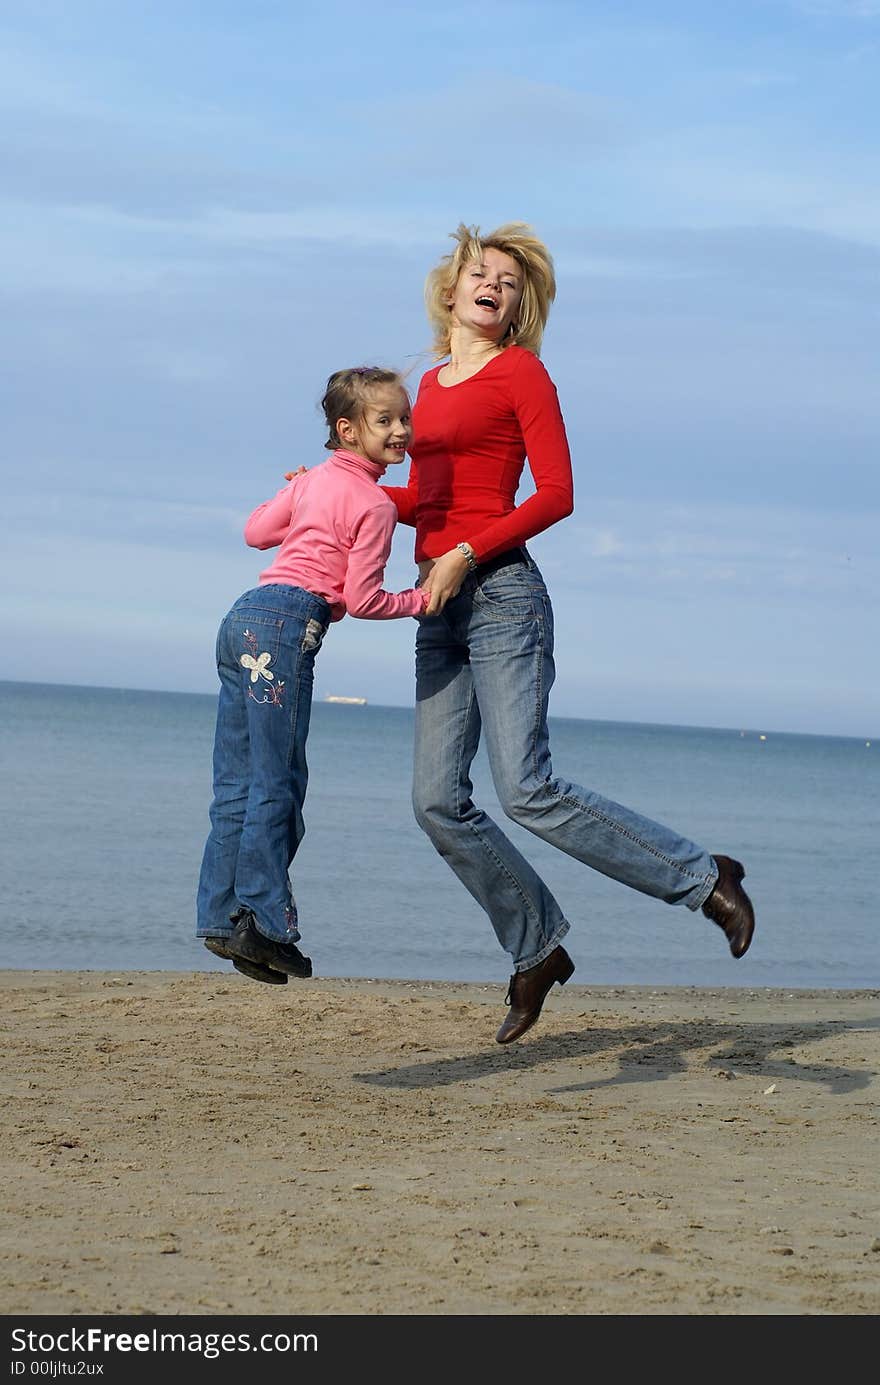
column 334, row 527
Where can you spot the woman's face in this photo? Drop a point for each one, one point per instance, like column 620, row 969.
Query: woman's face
column 487, row 295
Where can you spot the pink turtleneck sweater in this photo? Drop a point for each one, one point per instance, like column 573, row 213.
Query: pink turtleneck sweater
column 334, row 527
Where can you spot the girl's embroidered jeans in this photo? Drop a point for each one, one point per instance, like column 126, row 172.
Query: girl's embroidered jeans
column 486, row 664
column 266, row 649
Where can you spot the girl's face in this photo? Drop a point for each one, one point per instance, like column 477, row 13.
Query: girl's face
column 383, row 431
column 487, row 295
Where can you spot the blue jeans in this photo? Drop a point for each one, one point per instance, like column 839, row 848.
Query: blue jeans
column 486, row 663
column 266, row 651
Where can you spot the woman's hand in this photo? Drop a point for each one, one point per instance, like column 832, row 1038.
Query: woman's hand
column 444, row 580
column 300, row 471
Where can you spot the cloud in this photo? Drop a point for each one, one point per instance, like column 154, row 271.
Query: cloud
column 763, row 78
column 839, row 9
column 760, row 549
column 547, row 120
column 603, row 543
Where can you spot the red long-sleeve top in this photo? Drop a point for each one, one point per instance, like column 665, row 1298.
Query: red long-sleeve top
column 470, row 443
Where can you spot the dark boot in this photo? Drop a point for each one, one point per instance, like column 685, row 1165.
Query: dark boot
column 247, row 944
column 528, row 991
column 219, row 945
column 730, row 907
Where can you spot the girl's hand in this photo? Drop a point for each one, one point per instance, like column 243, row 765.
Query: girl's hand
column 444, row 580
column 300, row 471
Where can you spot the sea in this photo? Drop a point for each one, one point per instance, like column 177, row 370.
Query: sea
column 105, row 811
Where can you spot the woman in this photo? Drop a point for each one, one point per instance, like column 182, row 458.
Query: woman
column 485, row 664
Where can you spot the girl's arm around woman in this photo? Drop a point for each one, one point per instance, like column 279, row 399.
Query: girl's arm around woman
column 269, row 523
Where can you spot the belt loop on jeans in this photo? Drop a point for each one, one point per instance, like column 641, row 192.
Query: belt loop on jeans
column 508, row 559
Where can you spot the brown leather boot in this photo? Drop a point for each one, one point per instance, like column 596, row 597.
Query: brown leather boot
column 528, row 991
column 730, row 907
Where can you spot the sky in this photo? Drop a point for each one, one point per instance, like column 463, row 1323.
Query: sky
column 209, row 208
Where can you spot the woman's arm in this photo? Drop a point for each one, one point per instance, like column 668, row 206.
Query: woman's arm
column 405, row 498
column 536, row 405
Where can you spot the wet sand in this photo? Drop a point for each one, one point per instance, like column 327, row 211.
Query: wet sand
column 201, row 1144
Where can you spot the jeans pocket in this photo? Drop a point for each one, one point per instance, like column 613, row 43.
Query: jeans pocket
column 256, row 639
column 511, row 594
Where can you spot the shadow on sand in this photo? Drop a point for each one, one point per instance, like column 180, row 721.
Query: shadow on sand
column 650, row 1052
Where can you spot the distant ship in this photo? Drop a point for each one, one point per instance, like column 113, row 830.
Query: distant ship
column 349, row 701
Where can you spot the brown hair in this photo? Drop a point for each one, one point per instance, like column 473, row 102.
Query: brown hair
column 516, row 239
column 348, row 391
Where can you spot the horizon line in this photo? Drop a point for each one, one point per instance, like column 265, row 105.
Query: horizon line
column 748, row 730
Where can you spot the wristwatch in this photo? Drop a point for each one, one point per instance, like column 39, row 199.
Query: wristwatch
column 469, row 558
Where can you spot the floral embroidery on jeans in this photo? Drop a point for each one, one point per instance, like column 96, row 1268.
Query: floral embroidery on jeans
column 257, row 664
column 291, row 918
column 273, row 696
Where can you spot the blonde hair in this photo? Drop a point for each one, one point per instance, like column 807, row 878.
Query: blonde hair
column 516, row 239
column 349, row 390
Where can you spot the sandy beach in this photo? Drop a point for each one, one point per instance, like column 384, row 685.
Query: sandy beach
column 200, row 1144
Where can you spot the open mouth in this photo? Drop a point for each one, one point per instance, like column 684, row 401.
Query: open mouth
column 484, row 301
